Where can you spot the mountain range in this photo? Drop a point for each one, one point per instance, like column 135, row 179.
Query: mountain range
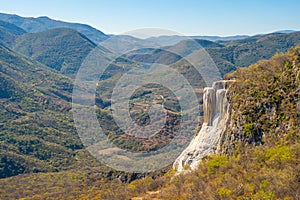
column 32, row 25
column 39, row 60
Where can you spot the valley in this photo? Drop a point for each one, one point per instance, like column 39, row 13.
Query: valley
column 248, row 150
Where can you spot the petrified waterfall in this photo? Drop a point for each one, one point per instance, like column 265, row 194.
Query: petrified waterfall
column 216, row 114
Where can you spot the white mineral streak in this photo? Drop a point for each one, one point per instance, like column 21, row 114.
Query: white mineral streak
column 216, row 114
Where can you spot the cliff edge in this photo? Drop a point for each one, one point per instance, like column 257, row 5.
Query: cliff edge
column 208, row 140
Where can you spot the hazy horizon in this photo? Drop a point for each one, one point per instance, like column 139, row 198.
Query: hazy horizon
column 192, row 18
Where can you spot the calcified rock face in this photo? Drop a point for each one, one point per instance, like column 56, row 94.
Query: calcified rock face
column 216, row 114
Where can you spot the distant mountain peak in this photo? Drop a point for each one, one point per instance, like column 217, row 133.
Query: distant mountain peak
column 43, row 17
column 285, row 31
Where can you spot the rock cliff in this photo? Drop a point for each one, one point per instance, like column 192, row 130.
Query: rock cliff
column 208, row 140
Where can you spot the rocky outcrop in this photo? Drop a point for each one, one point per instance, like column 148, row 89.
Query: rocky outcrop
column 208, row 140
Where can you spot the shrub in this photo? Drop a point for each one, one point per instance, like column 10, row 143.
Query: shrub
column 223, row 192
column 216, row 162
column 280, row 154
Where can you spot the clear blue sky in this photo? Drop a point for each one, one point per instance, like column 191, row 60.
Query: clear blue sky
column 189, row 17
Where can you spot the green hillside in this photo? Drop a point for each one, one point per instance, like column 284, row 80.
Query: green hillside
column 9, row 32
column 245, row 52
column 61, row 49
column 36, row 127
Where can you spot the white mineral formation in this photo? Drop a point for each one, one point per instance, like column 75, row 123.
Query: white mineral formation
column 216, row 114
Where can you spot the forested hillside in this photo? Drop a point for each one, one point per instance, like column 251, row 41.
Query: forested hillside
column 42, row 156
column 259, row 161
column 61, row 49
